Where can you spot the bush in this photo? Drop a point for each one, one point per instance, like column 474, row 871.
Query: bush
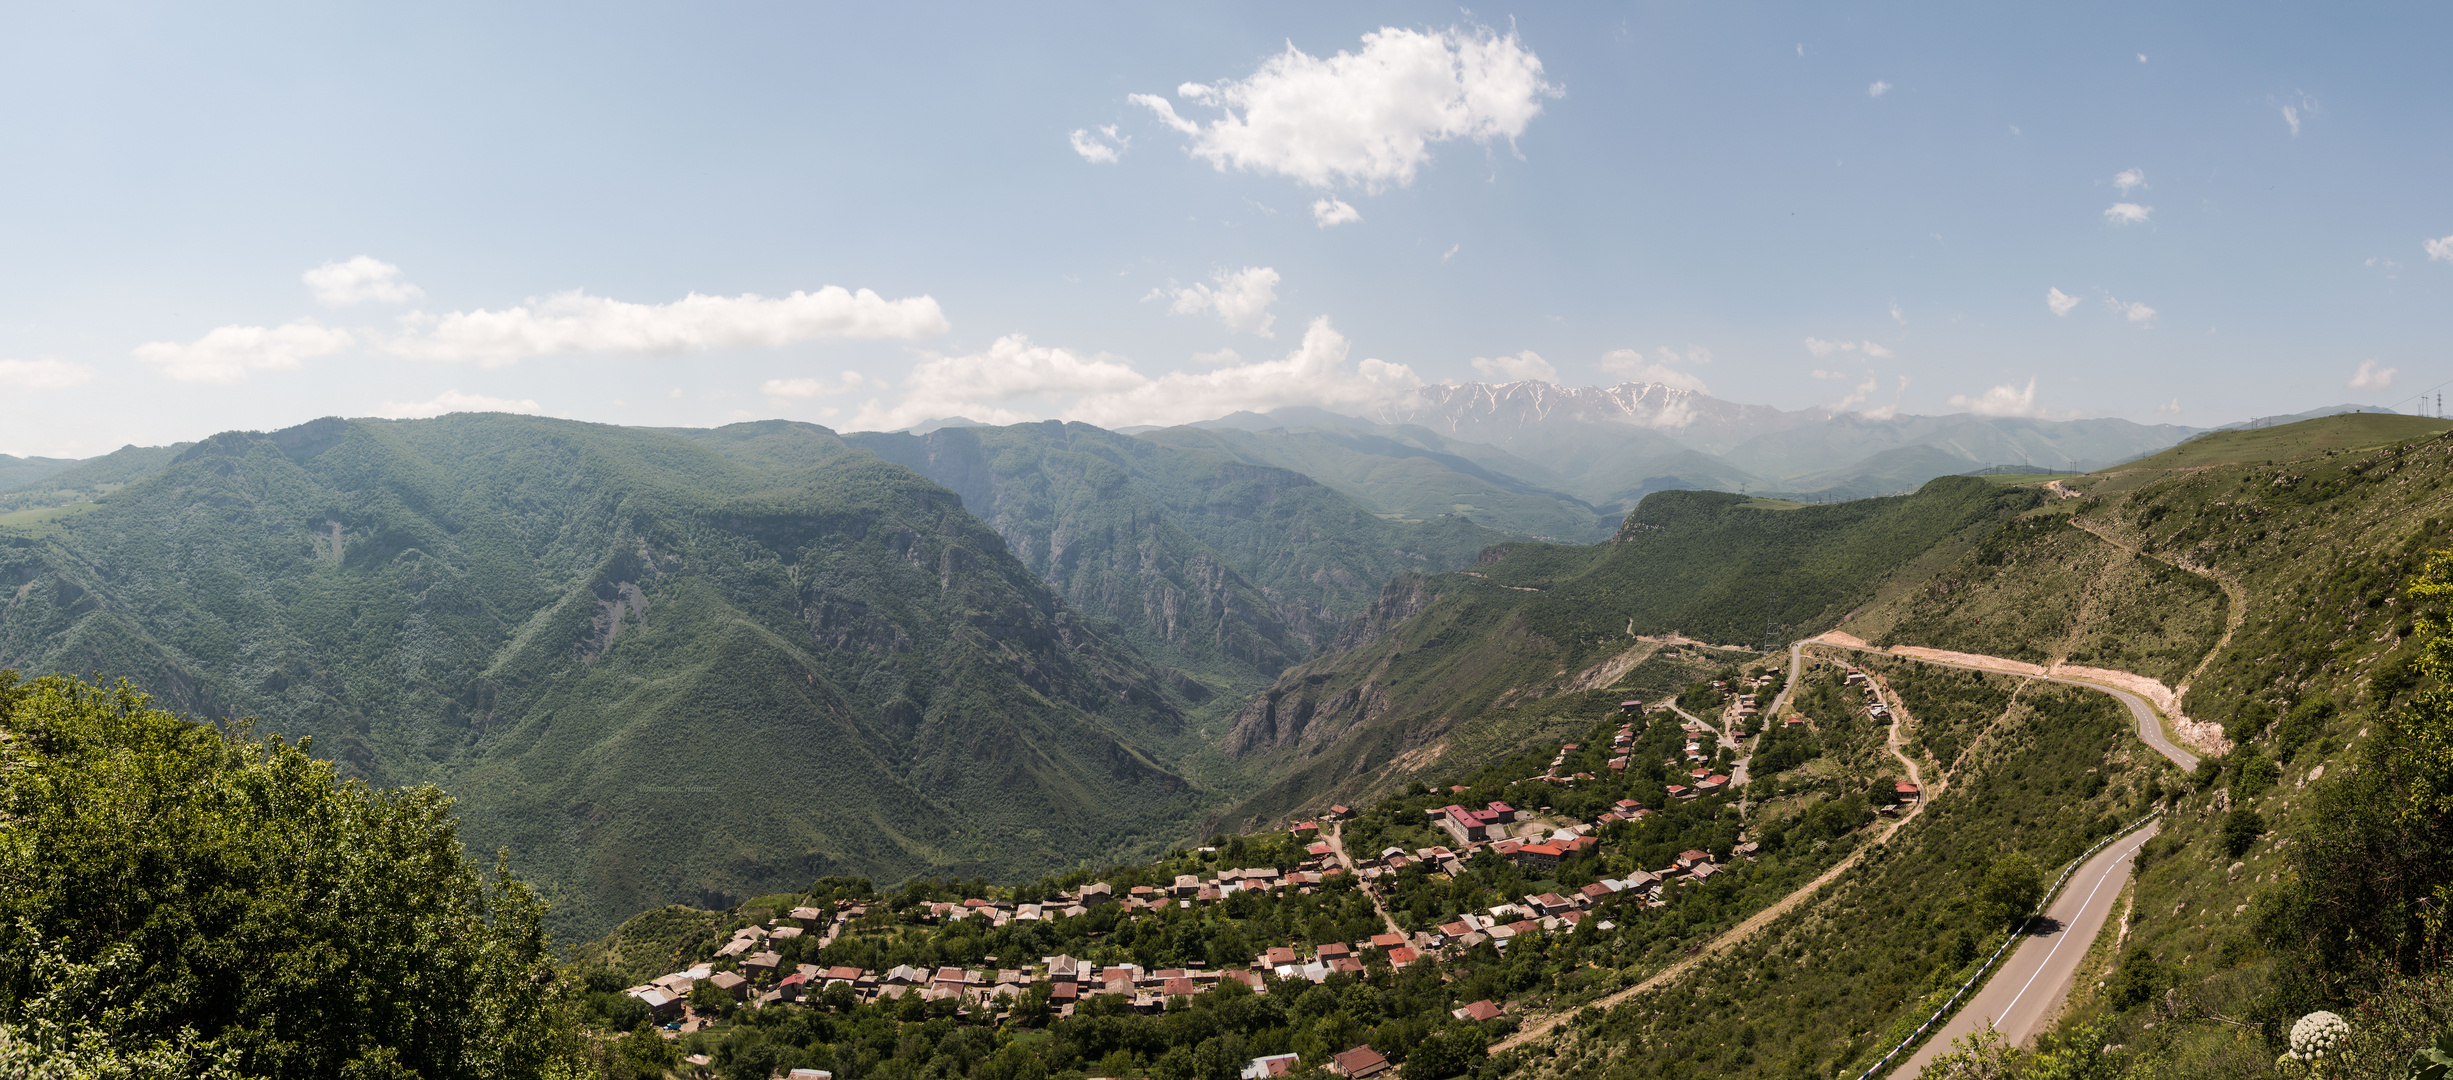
column 2241, row 828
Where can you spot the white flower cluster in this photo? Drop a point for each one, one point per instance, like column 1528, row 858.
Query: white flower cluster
column 2317, row 1033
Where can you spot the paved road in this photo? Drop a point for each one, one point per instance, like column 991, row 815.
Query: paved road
column 2037, row 976
column 1337, row 844
column 2150, row 726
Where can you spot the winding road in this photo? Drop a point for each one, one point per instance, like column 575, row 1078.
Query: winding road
column 2028, row 989
column 2030, row 986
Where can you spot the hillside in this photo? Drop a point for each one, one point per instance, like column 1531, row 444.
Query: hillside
column 652, row 672
column 1408, row 474
column 1209, row 564
column 2263, row 577
column 1445, row 653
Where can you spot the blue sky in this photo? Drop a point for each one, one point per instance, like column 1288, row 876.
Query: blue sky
column 1792, row 205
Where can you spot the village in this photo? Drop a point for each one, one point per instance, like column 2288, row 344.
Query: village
column 749, row 971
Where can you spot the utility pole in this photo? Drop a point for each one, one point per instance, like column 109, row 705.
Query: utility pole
column 1771, row 621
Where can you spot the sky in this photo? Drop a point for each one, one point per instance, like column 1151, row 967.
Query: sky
column 867, row 216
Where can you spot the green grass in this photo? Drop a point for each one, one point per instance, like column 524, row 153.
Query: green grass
column 2342, row 432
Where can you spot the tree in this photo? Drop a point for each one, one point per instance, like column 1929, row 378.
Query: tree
column 2011, row 887
column 170, row 888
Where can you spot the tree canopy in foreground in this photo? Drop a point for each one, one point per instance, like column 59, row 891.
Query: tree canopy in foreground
column 177, row 900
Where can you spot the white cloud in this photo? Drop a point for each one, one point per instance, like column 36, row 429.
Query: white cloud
column 1857, row 394
column 452, row 401
column 340, row 284
column 1878, row 89
column 2439, row 249
column 2003, row 400
column 1897, row 315
column 2059, row 301
column 1888, row 411
column 2298, row 110
column 1631, row 365
column 2138, row 314
column 2371, row 377
column 1014, row 381
column 1523, row 365
column 574, row 322
column 805, row 388
column 226, row 354
column 1332, row 211
column 1097, row 150
column 2142, row 58
column 43, row 374
column 2169, row 408
column 2128, row 213
column 2129, row 178
column 1449, row 254
column 1821, row 348
column 1241, row 299
column 1366, row 119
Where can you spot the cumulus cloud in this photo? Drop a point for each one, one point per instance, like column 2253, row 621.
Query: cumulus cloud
column 1013, row 381
column 575, row 322
column 2003, row 400
column 1332, row 211
column 1523, row 365
column 802, row 389
column 2129, row 178
column 340, row 284
column 2139, row 315
column 228, row 354
column 452, row 401
column 2059, row 301
column 1240, row 299
column 1878, row 89
column 1369, row 118
column 2439, row 249
column 43, row 374
column 2371, row 377
column 2128, row 213
column 2169, row 408
column 1103, row 148
column 1631, row 365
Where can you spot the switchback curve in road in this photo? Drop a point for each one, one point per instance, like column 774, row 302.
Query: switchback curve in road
column 2150, row 724
column 2029, row 988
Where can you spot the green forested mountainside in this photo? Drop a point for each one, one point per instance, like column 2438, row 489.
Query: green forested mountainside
column 1406, row 473
column 1531, row 620
column 87, row 480
column 17, row 472
column 652, row 672
column 1208, row 563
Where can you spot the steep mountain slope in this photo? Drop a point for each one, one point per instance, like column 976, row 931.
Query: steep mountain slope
column 1209, row 564
column 652, row 672
column 1533, row 620
column 1406, row 473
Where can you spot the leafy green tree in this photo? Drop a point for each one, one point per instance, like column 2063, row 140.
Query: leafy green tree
column 2011, row 887
column 2241, row 828
column 179, row 900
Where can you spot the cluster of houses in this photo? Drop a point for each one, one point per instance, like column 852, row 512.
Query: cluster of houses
column 1874, row 705
column 757, row 975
